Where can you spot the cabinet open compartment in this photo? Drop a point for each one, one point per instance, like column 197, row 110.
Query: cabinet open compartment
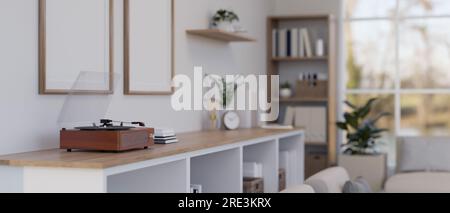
column 267, row 155
column 164, row 178
column 218, row 172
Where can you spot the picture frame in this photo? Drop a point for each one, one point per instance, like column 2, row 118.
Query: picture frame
column 70, row 44
column 148, row 47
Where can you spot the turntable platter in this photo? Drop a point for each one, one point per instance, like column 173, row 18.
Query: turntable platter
column 109, row 128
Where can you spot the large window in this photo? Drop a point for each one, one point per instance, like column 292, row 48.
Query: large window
column 399, row 51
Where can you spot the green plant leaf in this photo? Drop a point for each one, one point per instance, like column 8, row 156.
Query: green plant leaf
column 364, row 111
column 378, row 117
column 351, row 120
column 350, row 105
column 378, row 131
column 342, row 125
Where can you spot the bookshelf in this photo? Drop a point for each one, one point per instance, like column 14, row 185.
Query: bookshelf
column 290, row 68
column 220, row 35
column 314, row 58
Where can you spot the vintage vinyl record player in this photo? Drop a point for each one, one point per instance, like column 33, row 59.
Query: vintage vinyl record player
column 82, row 108
column 107, row 137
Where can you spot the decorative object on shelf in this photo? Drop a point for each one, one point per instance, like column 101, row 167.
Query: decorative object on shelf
column 360, row 154
column 281, row 179
column 231, row 120
column 253, row 185
column 107, row 136
column 286, row 90
column 320, row 48
column 312, row 89
column 225, row 20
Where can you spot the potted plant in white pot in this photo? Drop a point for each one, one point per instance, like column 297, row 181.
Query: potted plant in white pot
column 224, row 20
column 360, row 155
column 286, row 90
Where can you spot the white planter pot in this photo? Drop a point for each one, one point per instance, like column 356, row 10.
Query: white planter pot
column 285, row 93
column 225, row 26
column 372, row 168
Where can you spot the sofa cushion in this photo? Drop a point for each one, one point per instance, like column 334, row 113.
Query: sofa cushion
column 359, row 185
column 330, row 180
column 412, row 155
column 416, row 154
column 438, row 157
column 419, row 182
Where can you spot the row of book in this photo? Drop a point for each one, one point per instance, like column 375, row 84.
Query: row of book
column 165, row 136
column 289, row 161
column 294, row 42
column 253, row 170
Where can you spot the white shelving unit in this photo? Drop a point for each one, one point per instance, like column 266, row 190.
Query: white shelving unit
column 218, row 169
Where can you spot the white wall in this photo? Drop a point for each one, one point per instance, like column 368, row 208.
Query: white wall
column 29, row 121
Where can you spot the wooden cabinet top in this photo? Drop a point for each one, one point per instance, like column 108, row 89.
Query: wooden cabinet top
column 189, row 142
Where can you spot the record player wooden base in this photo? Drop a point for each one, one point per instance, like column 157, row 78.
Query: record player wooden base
column 110, row 141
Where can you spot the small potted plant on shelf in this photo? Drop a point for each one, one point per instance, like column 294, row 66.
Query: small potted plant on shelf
column 360, row 155
column 286, row 90
column 224, row 19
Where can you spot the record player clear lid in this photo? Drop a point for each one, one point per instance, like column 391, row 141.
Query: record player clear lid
column 88, row 99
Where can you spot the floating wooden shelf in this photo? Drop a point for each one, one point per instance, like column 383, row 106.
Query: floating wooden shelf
column 315, row 58
column 221, row 35
column 315, row 143
column 303, row 100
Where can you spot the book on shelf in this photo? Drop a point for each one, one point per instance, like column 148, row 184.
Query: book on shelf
column 288, row 43
column 274, row 43
column 277, row 127
column 307, row 42
column 165, row 136
column 166, row 141
column 282, row 43
column 294, row 40
column 253, row 170
column 164, row 132
column 301, row 44
column 288, row 160
column 284, row 163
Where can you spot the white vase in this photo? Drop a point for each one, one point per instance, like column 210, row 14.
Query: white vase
column 372, row 168
column 225, row 26
column 285, row 93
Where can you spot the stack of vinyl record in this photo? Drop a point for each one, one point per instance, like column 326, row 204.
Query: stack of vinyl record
column 165, row 136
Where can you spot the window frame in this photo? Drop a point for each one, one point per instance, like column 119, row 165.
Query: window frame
column 396, row 91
